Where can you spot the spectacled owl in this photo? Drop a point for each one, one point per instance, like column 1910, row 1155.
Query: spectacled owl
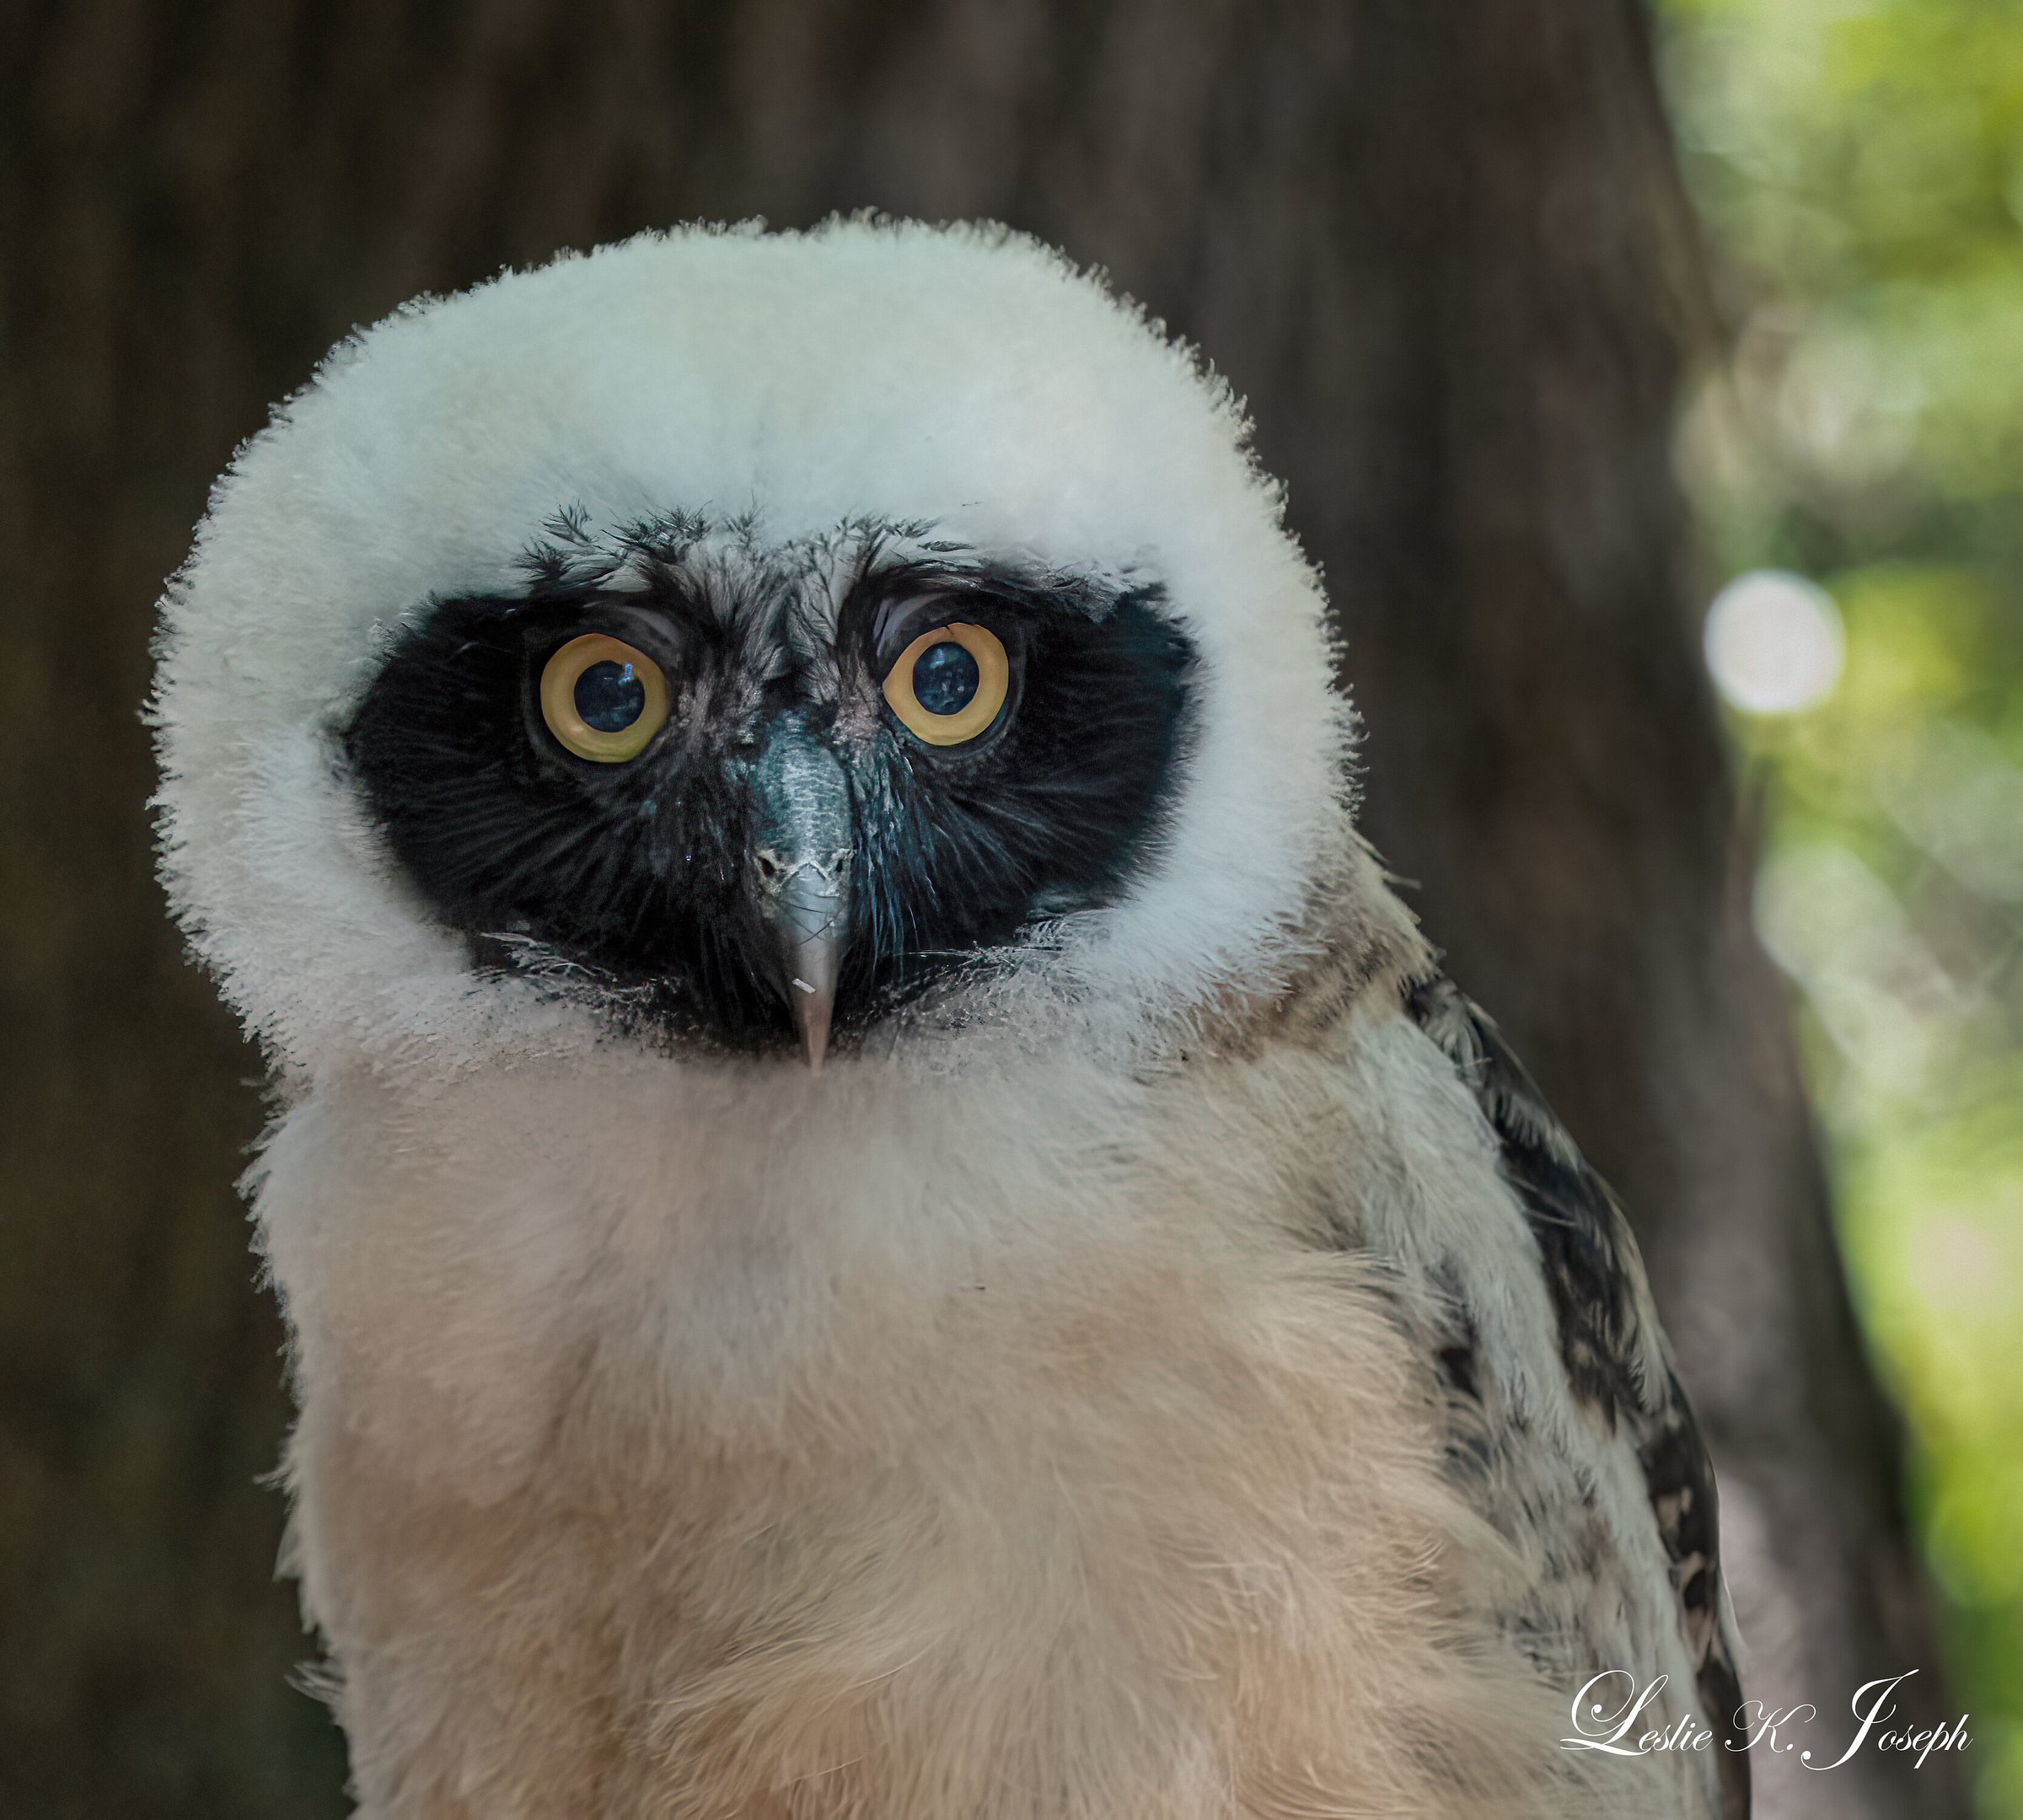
column 882, row 1213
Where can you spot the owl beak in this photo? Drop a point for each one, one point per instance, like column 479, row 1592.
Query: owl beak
column 811, row 909
column 801, row 875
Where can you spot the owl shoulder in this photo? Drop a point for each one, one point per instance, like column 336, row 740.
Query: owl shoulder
column 1617, row 1362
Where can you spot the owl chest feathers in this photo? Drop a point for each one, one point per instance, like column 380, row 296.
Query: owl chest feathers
column 1019, row 1441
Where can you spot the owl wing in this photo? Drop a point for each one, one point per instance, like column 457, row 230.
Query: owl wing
column 1606, row 1326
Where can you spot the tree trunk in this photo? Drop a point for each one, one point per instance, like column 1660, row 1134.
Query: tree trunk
column 1442, row 248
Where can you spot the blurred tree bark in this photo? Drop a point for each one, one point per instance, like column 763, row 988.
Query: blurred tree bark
column 1441, row 248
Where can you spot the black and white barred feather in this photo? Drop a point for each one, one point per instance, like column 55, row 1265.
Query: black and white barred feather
column 1608, row 1343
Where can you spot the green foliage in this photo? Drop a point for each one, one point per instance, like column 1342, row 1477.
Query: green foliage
column 1860, row 166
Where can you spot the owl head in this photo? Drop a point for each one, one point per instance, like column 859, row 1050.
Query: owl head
column 748, row 645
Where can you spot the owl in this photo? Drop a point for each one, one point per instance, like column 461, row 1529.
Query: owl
column 881, row 1214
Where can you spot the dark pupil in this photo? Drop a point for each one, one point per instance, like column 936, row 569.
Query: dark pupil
column 945, row 679
column 610, row 697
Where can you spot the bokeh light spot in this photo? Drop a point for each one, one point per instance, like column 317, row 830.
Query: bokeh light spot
column 1774, row 642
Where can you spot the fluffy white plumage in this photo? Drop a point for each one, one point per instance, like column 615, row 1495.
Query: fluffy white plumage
column 965, row 380
column 1135, row 1380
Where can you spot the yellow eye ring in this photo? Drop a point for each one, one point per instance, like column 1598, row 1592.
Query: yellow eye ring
column 946, row 681
column 603, row 699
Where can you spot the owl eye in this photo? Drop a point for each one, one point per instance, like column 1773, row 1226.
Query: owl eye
column 602, row 699
column 949, row 683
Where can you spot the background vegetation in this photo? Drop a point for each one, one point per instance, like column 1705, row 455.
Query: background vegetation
column 1861, row 163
